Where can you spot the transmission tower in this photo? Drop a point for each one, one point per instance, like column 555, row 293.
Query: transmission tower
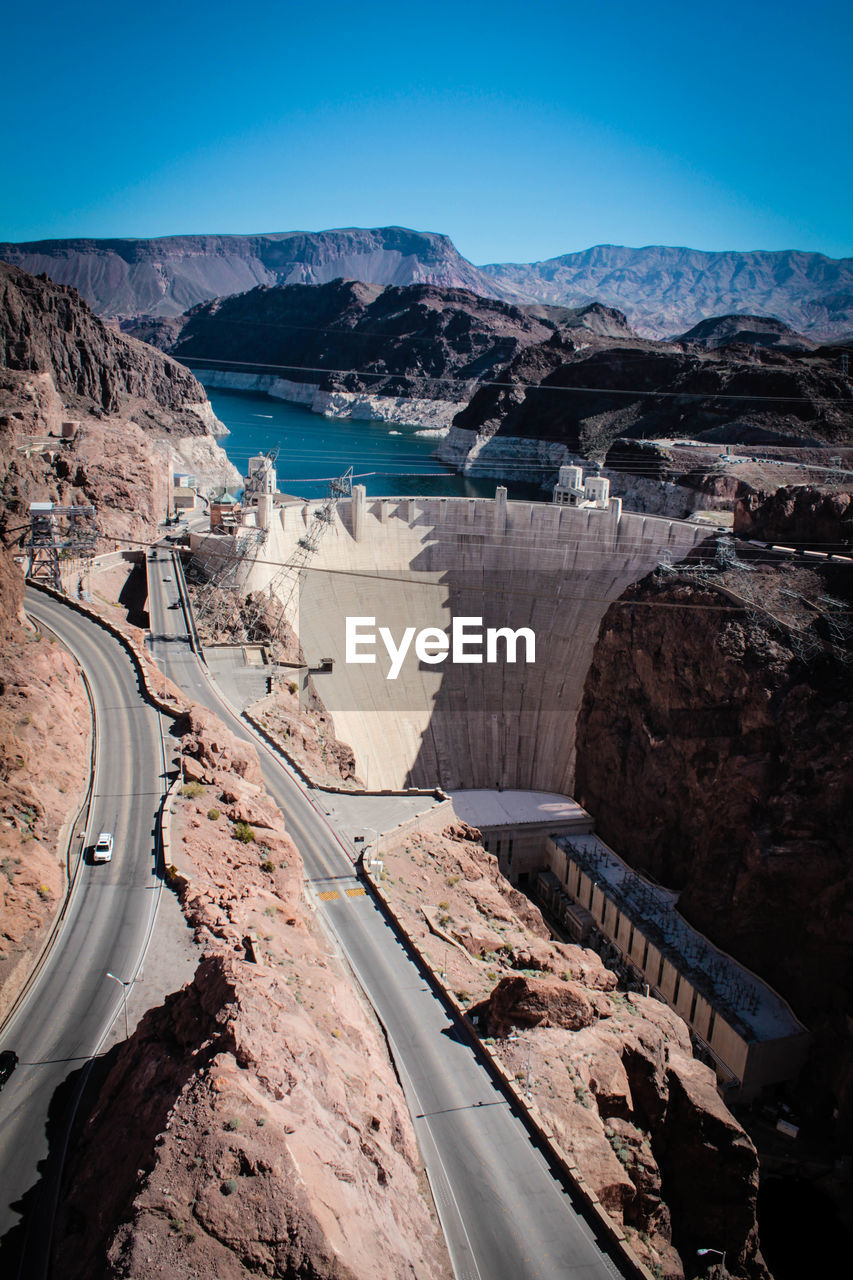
column 284, row 584
column 217, row 603
column 56, row 532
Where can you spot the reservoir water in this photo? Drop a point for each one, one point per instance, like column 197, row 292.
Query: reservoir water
column 388, row 459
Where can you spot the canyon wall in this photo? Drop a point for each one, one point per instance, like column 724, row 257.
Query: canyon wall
column 712, row 750
column 132, row 413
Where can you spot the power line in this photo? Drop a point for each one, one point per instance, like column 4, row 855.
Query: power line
column 204, row 361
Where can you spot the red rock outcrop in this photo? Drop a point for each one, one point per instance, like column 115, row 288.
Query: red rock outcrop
column 42, row 778
column 807, row 517
column 266, row 1130
column 133, row 407
column 611, row 1074
column 711, row 752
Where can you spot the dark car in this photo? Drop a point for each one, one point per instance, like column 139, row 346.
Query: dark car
column 8, row 1062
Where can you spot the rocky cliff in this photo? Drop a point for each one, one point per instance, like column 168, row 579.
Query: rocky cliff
column 711, row 752
column 663, row 289
column 253, row 1124
column 585, row 391
column 167, row 276
column 807, row 516
column 42, row 779
column 132, row 409
column 48, row 328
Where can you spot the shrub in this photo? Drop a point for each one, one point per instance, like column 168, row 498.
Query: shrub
column 260, row 1121
column 244, row 833
column 292, row 686
column 192, row 789
column 229, row 1186
column 232, row 1125
column 43, row 892
column 268, row 865
column 213, row 815
column 450, row 881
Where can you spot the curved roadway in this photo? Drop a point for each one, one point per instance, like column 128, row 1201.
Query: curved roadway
column 66, row 1013
column 504, row 1214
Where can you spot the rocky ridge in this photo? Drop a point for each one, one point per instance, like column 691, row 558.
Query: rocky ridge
column 131, row 409
column 611, row 1074
column 585, row 393
column 418, row 341
column 270, row 1134
column 662, row 289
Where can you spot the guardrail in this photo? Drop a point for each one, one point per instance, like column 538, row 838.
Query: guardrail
column 138, row 656
column 186, row 605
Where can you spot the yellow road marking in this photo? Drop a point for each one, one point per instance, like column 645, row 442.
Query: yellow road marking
column 328, row 894
column 355, row 893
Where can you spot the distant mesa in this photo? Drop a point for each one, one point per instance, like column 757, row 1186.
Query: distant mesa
column 167, row 276
column 662, row 290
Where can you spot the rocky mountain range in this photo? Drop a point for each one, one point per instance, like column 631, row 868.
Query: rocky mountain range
column 167, row 276
column 585, row 395
column 662, row 290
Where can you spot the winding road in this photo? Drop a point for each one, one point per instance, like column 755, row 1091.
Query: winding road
column 504, row 1214
column 66, row 1013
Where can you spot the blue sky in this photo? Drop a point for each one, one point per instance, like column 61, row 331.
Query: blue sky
column 521, row 130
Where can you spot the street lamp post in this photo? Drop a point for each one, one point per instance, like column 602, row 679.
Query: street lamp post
column 124, row 986
column 721, row 1254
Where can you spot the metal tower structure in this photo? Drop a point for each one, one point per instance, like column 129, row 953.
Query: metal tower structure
column 57, row 533
column 283, row 585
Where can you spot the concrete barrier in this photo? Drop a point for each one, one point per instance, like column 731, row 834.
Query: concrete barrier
column 138, row 656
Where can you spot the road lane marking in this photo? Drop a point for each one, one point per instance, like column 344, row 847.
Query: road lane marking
column 328, row 894
column 355, row 893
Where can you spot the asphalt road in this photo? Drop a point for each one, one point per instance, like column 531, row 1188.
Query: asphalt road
column 504, row 1214
column 71, row 1005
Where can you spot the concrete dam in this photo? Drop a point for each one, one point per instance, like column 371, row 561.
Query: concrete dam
column 423, row 562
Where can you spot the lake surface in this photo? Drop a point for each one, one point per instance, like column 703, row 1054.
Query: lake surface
column 386, row 458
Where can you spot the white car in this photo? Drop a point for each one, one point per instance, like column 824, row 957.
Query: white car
column 103, row 850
